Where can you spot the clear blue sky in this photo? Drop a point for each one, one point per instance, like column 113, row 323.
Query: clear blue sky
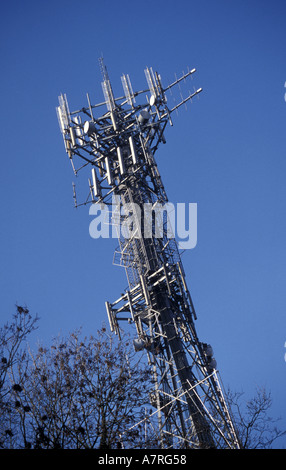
column 226, row 153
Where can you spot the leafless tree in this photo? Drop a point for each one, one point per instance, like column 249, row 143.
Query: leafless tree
column 78, row 393
column 93, row 392
column 255, row 427
column 12, row 338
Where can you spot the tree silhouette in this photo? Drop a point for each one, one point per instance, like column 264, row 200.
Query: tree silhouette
column 12, row 337
column 92, row 393
column 78, row 393
column 255, row 427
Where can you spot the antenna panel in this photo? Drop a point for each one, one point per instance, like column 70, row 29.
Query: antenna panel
column 96, row 189
column 79, row 131
column 151, row 81
column 108, row 172
column 133, row 150
column 63, row 111
column 60, row 118
column 127, row 87
column 120, row 161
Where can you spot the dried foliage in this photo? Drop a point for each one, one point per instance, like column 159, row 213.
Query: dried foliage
column 78, row 393
column 84, row 393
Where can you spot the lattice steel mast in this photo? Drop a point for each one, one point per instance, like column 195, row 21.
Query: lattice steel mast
column 117, row 148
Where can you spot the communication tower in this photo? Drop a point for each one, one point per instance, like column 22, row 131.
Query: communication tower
column 116, row 146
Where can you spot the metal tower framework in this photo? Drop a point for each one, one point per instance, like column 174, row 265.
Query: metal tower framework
column 117, row 148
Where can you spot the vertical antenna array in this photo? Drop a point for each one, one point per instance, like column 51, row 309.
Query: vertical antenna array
column 118, row 149
column 106, row 87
